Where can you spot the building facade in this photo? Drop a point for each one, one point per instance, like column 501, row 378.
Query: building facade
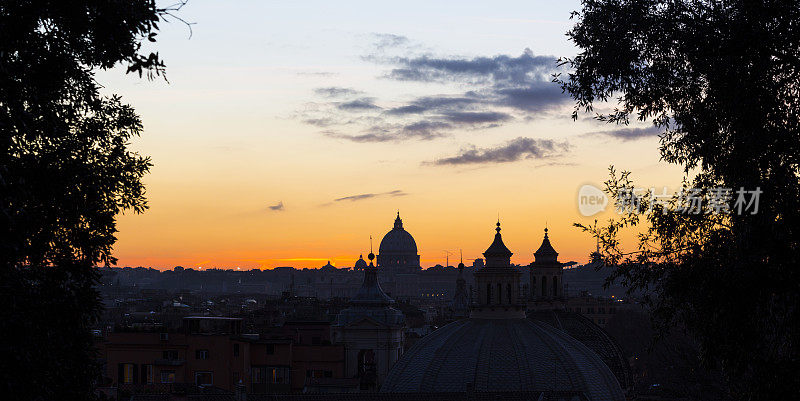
column 371, row 331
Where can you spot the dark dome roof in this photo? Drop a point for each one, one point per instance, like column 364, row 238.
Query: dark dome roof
column 360, row 263
column 591, row 335
column 502, row 355
column 398, row 241
column 498, row 248
column 546, row 250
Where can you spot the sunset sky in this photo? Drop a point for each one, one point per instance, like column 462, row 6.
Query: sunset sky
column 289, row 133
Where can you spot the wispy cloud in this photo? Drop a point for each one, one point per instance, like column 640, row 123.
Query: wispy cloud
column 353, row 198
column 513, row 150
column 364, row 103
column 277, row 207
column 503, row 89
column 336, row 91
column 389, row 40
column 629, row 134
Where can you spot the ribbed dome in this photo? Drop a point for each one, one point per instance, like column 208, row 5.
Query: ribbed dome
column 502, row 355
column 398, row 240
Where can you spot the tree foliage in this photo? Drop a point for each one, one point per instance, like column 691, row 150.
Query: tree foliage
column 722, row 81
column 65, row 173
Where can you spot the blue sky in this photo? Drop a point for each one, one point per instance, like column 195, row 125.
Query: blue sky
column 344, row 112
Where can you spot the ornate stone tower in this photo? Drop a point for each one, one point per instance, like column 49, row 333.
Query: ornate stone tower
column 498, row 284
column 460, row 303
column 546, row 273
column 371, row 331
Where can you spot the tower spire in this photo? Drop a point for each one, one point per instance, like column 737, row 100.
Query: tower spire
column 371, row 255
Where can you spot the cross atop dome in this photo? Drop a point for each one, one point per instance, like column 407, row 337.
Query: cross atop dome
column 398, row 222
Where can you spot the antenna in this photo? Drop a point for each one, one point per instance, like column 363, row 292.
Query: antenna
column 447, row 257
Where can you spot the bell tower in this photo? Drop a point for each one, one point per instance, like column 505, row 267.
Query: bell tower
column 546, row 273
column 498, row 284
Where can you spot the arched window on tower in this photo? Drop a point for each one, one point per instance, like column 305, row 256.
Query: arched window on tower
column 544, row 286
column 508, row 292
column 555, row 286
column 533, row 287
column 488, row 293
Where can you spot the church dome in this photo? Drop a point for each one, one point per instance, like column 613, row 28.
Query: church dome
column 502, row 355
column 398, row 241
column 361, row 264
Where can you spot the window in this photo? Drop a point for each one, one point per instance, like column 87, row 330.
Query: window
column 269, row 374
column 499, row 293
column 544, row 286
column 128, row 375
column 148, row 373
column 170, row 355
column 203, row 379
column 270, row 349
column 317, row 373
column 167, row 376
column 201, row 354
column 489, row 293
column 235, row 349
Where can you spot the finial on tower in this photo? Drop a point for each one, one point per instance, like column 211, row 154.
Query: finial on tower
column 545, row 231
column 498, row 226
column 371, row 255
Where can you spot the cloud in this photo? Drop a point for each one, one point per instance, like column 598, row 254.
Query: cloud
column 500, row 69
column 522, row 82
column 502, row 89
column 353, row 198
column 513, row 150
column 629, row 134
column 389, row 40
column 536, row 97
column 428, row 104
column 422, row 129
column 277, row 207
column 335, row 91
column 364, row 103
column 476, row 117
